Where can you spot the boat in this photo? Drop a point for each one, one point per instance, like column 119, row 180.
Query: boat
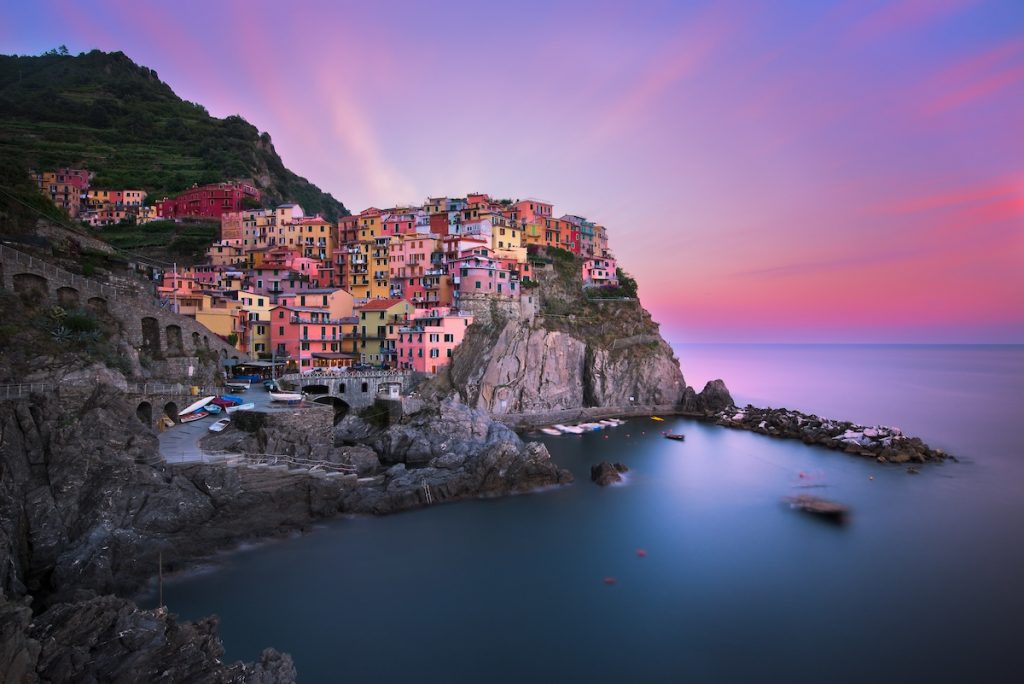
column 571, row 429
column 223, row 402
column 188, row 418
column 270, row 385
column 658, row 418
column 220, row 425
column 236, row 386
column 195, row 406
column 234, row 401
column 288, row 397
column 550, row 431
column 212, row 408
column 678, row 436
column 823, row 508
column 247, row 406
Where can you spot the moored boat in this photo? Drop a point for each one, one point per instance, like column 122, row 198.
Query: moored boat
column 570, row 429
column 550, row 431
column 188, row 418
column 678, row 436
column 236, row 386
column 823, row 508
column 658, row 418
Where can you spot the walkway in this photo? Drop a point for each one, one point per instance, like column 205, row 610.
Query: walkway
column 180, row 444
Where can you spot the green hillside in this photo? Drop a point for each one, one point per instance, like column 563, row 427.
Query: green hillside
column 103, row 112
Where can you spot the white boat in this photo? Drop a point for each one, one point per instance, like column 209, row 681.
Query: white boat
column 220, row 425
column 237, row 386
column 571, row 429
column 192, row 408
column 550, row 431
column 288, row 397
column 248, row 406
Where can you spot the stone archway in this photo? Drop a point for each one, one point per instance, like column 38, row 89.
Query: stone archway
column 144, row 412
column 341, row 407
column 151, row 336
column 175, row 347
column 171, row 411
column 97, row 304
column 30, row 284
column 67, row 297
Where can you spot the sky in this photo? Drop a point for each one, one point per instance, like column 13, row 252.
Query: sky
column 847, row 171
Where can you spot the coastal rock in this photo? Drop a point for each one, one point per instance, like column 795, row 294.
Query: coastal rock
column 605, row 473
column 469, row 455
column 574, row 353
column 110, row 639
column 882, row 443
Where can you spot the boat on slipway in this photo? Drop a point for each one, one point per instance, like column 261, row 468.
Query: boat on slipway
column 247, row 406
column 286, row 397
column 189, row 417
column 195, row 406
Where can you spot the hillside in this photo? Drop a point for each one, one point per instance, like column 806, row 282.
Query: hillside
column 106, row 113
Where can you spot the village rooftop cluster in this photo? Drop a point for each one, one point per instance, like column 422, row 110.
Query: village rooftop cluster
column 389, row 288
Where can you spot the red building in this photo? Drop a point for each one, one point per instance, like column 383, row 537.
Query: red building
column 208, row 201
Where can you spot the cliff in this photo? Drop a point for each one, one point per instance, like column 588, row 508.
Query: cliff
column 559, row 349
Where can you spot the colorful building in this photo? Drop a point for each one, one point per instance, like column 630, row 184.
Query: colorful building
column 209, row 201
column 427, row 341
column 377, row 319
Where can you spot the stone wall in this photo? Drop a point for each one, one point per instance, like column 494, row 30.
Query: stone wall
column 149, row 327
column 357, row 389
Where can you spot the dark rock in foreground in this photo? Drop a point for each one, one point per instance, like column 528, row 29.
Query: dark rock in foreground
column 885, row 444
column 605, row 473
column 110, row 639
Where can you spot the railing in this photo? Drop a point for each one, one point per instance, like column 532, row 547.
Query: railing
column 23, row 390
column 163, row 388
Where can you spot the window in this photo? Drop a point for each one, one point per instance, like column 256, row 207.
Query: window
column 280, row 330
column 449, row 353
column 365, row 387
column 434, row 353
column 478, row 284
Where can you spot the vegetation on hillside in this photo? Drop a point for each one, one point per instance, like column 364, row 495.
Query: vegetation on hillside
column 103, row 112
column 185, row 242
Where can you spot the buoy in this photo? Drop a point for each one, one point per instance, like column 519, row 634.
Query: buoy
column 641, row 553
column 871, row 477
column 610, row 580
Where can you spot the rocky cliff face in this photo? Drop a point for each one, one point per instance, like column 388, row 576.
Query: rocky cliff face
column 571, row 352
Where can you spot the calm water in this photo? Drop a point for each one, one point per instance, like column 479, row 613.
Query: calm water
column 924, row 584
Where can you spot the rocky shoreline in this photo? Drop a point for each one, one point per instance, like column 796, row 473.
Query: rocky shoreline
column 882, row 443
column 87, row 512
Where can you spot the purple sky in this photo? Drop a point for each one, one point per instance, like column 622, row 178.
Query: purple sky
column 776, row 171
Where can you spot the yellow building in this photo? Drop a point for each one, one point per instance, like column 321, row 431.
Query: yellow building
column 377, row 318
column 219, row 314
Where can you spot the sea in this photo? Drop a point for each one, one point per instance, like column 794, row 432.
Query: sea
column 693, row 569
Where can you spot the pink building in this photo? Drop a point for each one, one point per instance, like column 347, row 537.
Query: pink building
column 531, row 211
column 427, row 344
column 599, row 271
column 410, row 258
column 476, row 271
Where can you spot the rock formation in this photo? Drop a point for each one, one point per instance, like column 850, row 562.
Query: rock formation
column 442, row 452
column 558, row 350
column 885, row 444
column 605, row 473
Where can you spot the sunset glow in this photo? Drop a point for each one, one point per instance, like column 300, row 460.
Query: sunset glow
column 796, row 171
